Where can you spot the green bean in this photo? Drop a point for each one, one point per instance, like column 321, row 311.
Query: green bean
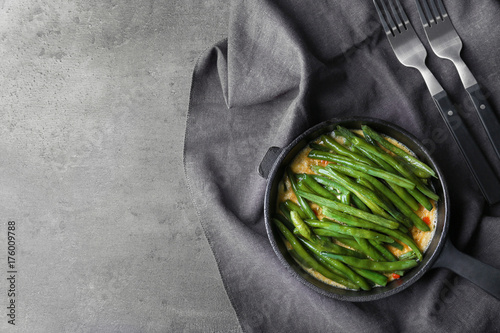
column 284, row 210
column 350, row 210
column 329, row 246
column 404, row 211
column 350, row 231
column 382, row 266
column 351, row 275
column 406, row 240
column 359, row 204
column 418, row 172
column 403, row 194
column 317, row 146
column 399, row 209
column 341, row 150
column 346, row 219
column 333, row 191
column 399, row 203
column 408, row 255
column 307, row 260
column 360, row 222
column 374, row 171
column 400, row 167
column 375, row 277
column 323, row 260
column 290, row 205
column 382, row 249
column 403, row 229
column 301, row 260
column 343, row 239
column 285, row 220
column 400, row 191
column 427, row 171
column 420, row 185
column 316, row 187
column 398, row 246
column 302, row 202
column 354, row 221
column 359, row 180
column 421, row 198
column 412, row 197
column 377, row 160
column 365, row 195
column 300, row 225
column 367, row 148
column 345, row 195
column 370, row 140
column 345, row 198
column 369, row 249
column 327, row 181
column 331, row 233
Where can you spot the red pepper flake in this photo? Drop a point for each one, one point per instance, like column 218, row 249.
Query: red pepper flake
column 395, row 276
column 323, row 163
column 427, row 220
column 316, row 211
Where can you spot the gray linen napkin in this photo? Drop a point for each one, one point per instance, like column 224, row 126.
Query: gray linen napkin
column 287, row 65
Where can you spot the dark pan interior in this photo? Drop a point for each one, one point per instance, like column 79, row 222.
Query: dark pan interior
column 276, row 174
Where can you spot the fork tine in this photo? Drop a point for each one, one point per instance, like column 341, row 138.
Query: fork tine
column 382, row 19
column 421, row 13
column 442, row 9
column 435, row 12
column 389, row 18
column 403, row 14
column 396, row 16
column 428, row 13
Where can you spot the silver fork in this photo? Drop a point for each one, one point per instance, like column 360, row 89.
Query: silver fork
column 410, row 52
column 446, row 44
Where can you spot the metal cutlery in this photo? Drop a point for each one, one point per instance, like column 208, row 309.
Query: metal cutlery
column 410, row 52
column 446, row 44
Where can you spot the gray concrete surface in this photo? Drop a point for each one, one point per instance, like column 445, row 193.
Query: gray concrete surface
column 94, row 97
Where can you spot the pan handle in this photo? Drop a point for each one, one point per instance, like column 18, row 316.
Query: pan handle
column 477, row 272
column 268, row 161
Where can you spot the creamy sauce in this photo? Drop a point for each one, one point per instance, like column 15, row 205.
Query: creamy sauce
column 302, row 164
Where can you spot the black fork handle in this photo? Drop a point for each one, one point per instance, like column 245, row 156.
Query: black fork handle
column 489, row 120
column 478, row 164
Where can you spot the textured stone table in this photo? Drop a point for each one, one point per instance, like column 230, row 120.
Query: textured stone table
column 94, row 99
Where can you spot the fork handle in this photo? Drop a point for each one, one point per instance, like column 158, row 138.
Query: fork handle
column 487, row 116
column 483, row 173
